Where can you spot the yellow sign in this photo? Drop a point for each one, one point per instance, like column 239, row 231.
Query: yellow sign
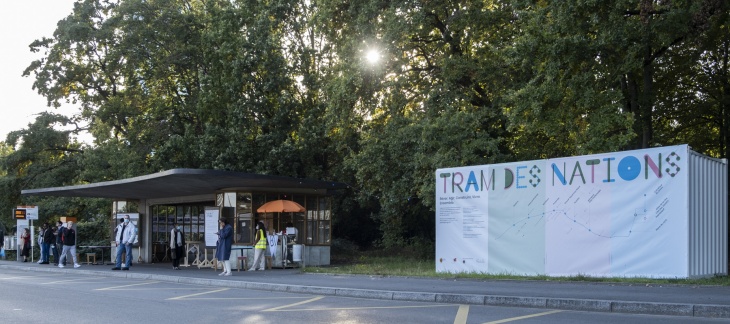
column 19, row 213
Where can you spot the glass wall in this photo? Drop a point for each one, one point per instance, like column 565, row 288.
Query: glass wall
column 318, row 221
column 313, row 225
column 244, row 219
column 190, row 216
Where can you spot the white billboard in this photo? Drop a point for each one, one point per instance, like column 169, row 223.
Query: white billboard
column 31, row 212
column 616, row 214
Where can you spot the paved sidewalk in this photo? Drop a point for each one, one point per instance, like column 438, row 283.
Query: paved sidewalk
column 676, row 300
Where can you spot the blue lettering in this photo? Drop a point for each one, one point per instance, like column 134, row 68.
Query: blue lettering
column 629, row 168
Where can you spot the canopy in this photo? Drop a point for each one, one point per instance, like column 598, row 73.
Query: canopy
column 280, row 206
column 188, row 182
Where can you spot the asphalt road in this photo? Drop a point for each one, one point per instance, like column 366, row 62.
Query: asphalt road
column 77, row 297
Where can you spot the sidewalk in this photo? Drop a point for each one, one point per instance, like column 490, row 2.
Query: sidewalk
column 675, row 300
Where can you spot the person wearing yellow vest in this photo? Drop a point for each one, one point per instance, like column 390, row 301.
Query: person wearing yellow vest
column 259, row 248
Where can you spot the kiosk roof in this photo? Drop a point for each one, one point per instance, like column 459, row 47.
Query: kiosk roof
column 186, row 182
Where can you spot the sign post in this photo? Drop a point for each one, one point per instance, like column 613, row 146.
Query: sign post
column 24, row 216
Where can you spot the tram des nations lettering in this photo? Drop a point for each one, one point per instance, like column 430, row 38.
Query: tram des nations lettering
column 606, row 170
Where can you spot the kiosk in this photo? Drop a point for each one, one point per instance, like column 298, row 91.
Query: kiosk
column 182, row 196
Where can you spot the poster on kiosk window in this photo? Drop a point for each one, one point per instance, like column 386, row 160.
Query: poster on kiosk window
column 613, row 214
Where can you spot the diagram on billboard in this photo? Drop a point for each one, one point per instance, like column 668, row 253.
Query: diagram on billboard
column 521, row 230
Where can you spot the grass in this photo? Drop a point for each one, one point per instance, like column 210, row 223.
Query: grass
column 382, row 263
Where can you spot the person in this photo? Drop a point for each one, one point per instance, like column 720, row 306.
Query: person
column 292, row 234
column 25, row 244
column 124, row 240
column 259, row 248
column 223, row 246
column 177, row 245
column 58, row 242
column 46, row 238
column 2, row 241
column 69, row 245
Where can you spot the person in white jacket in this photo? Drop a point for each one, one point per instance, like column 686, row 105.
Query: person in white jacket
column 126, row 235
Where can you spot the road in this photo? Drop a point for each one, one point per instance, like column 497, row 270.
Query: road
column 30, row 297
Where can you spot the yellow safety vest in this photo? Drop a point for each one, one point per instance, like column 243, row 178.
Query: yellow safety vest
column 261, row 244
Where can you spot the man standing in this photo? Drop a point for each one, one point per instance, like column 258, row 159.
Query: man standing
column 2, row 240
column 58, row 243
column 46, row 238
column 124, row 240
column 69, row 245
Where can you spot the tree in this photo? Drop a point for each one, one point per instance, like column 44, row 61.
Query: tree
column 595, row 66
column 433, row 102
column 45, row 157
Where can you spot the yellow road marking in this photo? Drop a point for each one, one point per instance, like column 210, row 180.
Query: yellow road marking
column 523, row 317
column 462, row 314
column 139, row 284
column 295, row 304
column 198, row 294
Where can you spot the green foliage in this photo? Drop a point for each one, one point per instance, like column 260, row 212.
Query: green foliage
column 45, row 157
column 594, row 69
column 283, row 88
column 94, row 231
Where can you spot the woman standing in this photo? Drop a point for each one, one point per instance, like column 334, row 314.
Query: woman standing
column 177, row 246
column 223, row 247
column 25, row 244
column 259, row 247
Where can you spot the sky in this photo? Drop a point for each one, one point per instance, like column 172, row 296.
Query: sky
column 22, row 22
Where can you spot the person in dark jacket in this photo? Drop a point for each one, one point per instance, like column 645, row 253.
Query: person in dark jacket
column 47, row 238
column 223, row 248
column 57, row 242
column 69, row 245
column 2, row 237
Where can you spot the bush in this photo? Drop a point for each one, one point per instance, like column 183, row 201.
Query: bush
column 421, row 249
column 93, row 232
column 343, row 251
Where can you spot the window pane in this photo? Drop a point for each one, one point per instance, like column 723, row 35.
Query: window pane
column 229, row 199
column 311, row 229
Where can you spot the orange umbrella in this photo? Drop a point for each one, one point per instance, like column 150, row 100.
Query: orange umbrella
column 280, row 206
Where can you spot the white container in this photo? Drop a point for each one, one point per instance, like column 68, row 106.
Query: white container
column 660, row 212
column 297, row 253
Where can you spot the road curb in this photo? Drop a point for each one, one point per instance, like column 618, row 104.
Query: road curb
column 607, row 306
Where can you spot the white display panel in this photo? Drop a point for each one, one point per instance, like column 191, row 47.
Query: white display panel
column 613, row 214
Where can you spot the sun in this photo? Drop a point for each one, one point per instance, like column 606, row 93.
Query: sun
column 373, row 56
